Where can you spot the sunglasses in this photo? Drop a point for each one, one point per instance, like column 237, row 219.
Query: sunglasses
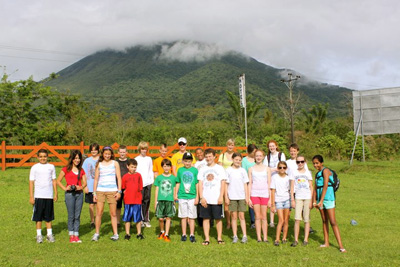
column 280, row 168
column 300, row 161
column 182, row 144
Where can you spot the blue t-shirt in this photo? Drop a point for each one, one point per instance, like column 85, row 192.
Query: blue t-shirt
column 319, row 181
column 89, row 165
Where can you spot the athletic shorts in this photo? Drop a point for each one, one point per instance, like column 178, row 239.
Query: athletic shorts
column 328, row 204
column 119, row 202
column 89, row 198
column 259, row 200
column 237, row 205
column 187, row 209
column 110, row 196
column 132, row 212
column 302, row 210
column 212, row 212
column 165, row 209
column 43, row 210
column 282, row 205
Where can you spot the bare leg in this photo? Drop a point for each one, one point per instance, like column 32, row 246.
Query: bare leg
column 184, row 225
column 92, row 207
column 139, row 228
column 99, row 214
column 161, row 222
column 234, row 222
column 297, row 230
column 264, row 221
column 118, row 214
column 128, row 228
column 219, row 229
column 192, row 226
column 271, row 217
column 335, row 227
column 39, row 225
column 227, row 216
column 206, row 229
column 257, row 212
column 113, row 215
column 167, row 225
column 325, row 226
column 280, row 225
column 242, row 223
column 306, row 230
column 286, row 215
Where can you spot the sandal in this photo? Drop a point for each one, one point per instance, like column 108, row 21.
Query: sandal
column 205, row 243
column 294, row 244
column 323, row 246
column 276, row 243
column 284, row 241
column 221, row 242
column 342, row 250
column 305, row 243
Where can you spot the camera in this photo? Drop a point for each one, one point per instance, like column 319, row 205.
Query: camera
column 73, row 187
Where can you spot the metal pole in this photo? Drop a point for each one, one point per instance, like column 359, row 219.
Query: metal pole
column 289, row 83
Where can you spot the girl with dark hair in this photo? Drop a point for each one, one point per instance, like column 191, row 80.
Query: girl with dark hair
column 76, row 180
column 247, row 163
column 324, row 200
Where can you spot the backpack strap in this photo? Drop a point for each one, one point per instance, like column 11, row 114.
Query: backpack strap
column 279, row 156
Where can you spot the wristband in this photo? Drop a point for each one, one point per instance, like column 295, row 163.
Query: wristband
column 119, row 192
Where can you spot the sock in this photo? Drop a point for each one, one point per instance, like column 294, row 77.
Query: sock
column 38, row 232
column 49, row 231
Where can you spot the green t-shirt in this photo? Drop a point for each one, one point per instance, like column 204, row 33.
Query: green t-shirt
column 166, row 187
column 188, row 180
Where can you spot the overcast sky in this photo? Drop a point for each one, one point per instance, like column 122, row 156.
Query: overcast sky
column 353, row 43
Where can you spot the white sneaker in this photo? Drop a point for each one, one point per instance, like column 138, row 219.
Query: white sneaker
column 114, row 237
column 235, row 240
column 148, row 224
column 39, row 239
column 244, row 239
column 51, row 238
column 95, row 237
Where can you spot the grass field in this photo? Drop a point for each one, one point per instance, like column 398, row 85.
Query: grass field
column 369, row 194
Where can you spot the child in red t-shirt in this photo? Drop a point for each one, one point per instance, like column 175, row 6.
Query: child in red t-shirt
column 132, row 185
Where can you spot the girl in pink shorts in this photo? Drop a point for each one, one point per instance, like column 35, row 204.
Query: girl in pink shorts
column 259, row 182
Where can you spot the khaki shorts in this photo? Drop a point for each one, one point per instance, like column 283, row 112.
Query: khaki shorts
column 302, row 210
column 110, row 196
column 237, row 205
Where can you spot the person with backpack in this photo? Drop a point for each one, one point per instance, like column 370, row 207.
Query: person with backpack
column 324, row 199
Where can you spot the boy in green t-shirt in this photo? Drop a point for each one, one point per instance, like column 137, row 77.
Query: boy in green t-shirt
column 187, row 194
column 164, row 196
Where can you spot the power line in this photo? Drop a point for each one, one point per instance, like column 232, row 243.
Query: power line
column 39, row 50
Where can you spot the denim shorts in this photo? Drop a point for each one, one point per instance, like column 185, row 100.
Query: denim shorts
column 282, row 205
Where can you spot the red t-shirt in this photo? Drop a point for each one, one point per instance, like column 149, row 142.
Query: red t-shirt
column 133, row 185
column 72, row 178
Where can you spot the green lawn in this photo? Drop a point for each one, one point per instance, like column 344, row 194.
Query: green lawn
column 369, row 193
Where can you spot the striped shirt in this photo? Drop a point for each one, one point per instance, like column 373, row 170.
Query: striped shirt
column 107, row 181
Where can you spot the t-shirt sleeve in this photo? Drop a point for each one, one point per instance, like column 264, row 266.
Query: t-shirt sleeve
column 157, row 181
column 245, row 176
column 140, row 181
column 220, row 158
column 227, row 173
column 309, row 175
column 178, row 176
column 273, row 186
column 223, row 174
column 53, row 172
column 173, row 160
column 283, row 157
column 32, row 173
column 123, row 186
column 155, row 165
column 200, row 175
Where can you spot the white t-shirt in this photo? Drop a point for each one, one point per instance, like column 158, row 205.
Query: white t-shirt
column 200, row 164
column 301, row 184
column 281, row 186
column 236, row 178
column 274, row 159
column 212, row 178
column 292, row 165
column 43, row 175
column 145, row 168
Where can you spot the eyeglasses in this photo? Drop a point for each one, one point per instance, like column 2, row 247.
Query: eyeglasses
column 182, row 144
column 300, row 161
column 280, row 168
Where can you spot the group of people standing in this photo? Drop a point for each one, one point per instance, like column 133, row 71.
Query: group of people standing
column 206, row 188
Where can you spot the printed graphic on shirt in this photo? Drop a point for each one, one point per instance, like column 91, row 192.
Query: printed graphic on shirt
column 187, row 179
column 166, row 188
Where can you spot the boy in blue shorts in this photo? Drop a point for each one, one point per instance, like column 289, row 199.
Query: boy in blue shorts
column 42, row 183
column 132, row 185
column 164, row 196
column 187, row 194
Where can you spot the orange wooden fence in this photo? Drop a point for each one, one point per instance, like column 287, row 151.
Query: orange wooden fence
column 25, row 156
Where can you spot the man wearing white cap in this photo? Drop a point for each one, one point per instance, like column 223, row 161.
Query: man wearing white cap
column 177, row 157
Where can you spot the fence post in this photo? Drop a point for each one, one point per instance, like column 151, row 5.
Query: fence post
column 82, row 148
column 3, row 155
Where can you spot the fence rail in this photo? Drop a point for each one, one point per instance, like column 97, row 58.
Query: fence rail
column 25, row 156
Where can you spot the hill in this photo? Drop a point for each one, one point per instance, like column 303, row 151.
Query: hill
column 176, row 80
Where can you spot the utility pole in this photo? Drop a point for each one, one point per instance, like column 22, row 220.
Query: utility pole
column 290, row 84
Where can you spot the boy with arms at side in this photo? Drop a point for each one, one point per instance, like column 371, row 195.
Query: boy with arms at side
column 157, row 169
column 132, row 185
column 187, row 194
column 122, row 161
column 211, row 192
column 177, row 157
column 42, row 183
column 294, row 150
column 164, row 198
column 201, row 161
column 145, row 168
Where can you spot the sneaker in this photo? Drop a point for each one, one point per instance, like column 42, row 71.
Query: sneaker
column 235, row 239
column 305, row 243
column 161, row 235
column 95, row 237
column 192, row 239
column 183, row 238
column 72, row 239
column 167, row 239
column 253, row 226
column 311, row 230
column 147, row 224
column 127, row 237
column 272, row 225
column 51, row 238
column 39, row 239
column 77, row 240
column 143, row 224
column 140, row 236
column 244, row 240
column 114, row 237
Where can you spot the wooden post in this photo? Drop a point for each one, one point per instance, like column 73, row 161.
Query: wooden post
column 82, row 148
column 3, row 155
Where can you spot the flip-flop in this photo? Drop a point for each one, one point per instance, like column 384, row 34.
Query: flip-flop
column 205, row 243
column 342, row 250
column 323, row 246
column 221, row 242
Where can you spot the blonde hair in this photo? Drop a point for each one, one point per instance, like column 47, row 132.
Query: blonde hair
column 143, row 145
column 230, row 141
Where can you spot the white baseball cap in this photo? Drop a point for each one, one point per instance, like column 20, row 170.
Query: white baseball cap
column 183, row 140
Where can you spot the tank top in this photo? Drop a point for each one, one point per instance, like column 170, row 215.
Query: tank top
column 259, row 187
column 319, row 182
column 107, row 182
